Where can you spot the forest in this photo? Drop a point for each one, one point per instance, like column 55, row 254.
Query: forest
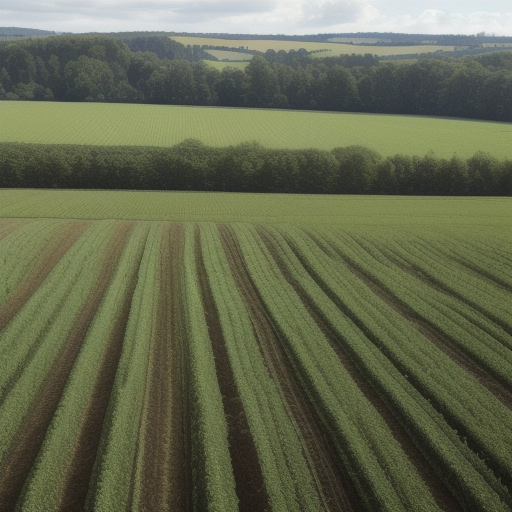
column 157, row 70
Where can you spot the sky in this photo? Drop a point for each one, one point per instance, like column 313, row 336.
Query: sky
column 292, row 17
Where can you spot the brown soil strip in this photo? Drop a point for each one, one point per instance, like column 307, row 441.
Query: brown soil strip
column 8, row 226
column 249, row 484
column 17, row 464
column 86, row 447
column 48, row 258
column 333, row 484
column 166, row 471
column 442, row 495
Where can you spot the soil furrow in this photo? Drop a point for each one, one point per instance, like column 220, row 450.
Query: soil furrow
column 249, row 484
column 333, row 484
column 47, row 260
column 495, row 280
column 26, row 446
column 429, row 330
column 439, row 340
column 166, row 472
column 414, row 270
column 82, row 461
column 438, row 489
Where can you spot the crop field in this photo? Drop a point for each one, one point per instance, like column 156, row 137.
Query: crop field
column 324, row 49
column 108, row 124
column 229, row 56
column 185, row 351
column 476, row 214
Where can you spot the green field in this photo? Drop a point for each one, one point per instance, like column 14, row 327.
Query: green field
column 296, row 209
column 332, row 49
column 208, row 352
column 224, row 55
column 167, row 125
column 221, row 65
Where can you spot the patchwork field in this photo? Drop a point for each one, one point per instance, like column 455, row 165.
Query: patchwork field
column 166, row 125
column 229, row 56
column 320, row 354
column 327, row 49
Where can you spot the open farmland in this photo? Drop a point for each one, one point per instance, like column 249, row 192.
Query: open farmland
column 224, row 55
column 166, row 125
column 299, row 353
column 325, row 49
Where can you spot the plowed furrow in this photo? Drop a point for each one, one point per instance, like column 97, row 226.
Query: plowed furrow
column 428, row 329
column 48, row 258
column 249, row 483
column 84, row 456
column 441, row 287
column 438, row 489
column 26, row 446
column 439, row 340
column 166, row 472
column 493, row 279
column 333, row 484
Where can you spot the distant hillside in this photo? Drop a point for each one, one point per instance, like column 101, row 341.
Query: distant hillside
column 371, row 38
column 24, row 32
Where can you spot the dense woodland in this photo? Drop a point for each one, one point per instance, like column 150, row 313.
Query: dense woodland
column 149, row 69
column 250, row 167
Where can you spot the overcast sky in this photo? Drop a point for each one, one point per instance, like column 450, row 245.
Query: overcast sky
column 262, row 16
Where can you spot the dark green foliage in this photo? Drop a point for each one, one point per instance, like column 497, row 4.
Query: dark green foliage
column 156, row 69
column 250, row 167
column 357, row 169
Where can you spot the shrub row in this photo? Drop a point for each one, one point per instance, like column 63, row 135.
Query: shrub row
column 250, row 167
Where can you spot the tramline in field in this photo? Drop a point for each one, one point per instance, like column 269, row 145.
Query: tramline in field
column 254, row 366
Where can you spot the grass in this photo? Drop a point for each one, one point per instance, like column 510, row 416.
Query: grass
column 166, row 125
column 298, row 209
column 333, row 49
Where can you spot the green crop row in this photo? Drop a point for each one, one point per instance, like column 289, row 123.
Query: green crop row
column 438, row 378
column 20, row 250
column 491, row 262
column 35, row 318
column 46, row 483
column 212, row 474
column 33, row 340
column 380, row 470
column 435, row 307
column 114, row 466
column 488, row 304
column 287, row 479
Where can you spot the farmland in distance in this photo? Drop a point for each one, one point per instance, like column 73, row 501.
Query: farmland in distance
column 166, row 125
column 298, row 353
column 325, row 49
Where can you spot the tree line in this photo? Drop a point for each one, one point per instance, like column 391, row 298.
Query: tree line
column 250, row 167
column 158, row 70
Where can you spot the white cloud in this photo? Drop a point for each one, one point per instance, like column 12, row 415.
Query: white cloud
column 433, row 21
column 335, row 12
column 262, row 16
